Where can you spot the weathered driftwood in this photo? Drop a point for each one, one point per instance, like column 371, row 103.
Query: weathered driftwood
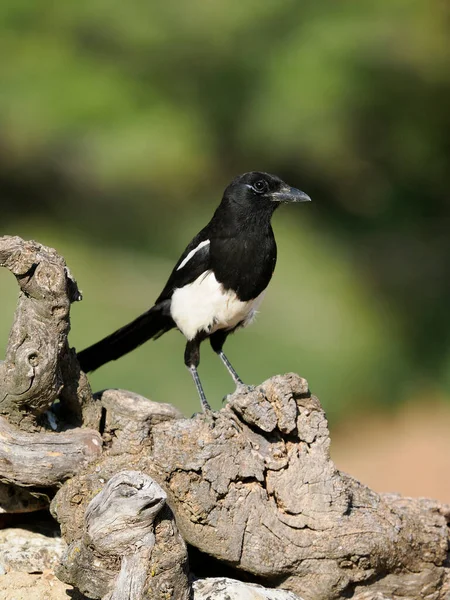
column 45, row 459
column 128, row 419
column 31, row 377
column 130, row 548
column 252, row 486
column 39, row 367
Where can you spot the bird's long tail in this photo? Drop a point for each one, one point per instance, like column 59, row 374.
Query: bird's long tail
column 151, row 324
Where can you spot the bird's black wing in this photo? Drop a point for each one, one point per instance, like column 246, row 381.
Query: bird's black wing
column 194, row 261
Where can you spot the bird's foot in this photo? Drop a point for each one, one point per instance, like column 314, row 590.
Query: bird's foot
column 207, row 415
column 205, row 405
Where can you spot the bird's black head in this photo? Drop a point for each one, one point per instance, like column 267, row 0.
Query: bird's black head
column 262, row 190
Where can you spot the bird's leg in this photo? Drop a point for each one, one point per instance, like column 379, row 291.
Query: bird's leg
column 237, row 380
column 217, row 341
column 192, row 360
column 198, row 384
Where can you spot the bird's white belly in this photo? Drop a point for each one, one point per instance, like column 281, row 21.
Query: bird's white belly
column 204, row 305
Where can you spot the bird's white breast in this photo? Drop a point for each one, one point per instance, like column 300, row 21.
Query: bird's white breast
column 204, row 305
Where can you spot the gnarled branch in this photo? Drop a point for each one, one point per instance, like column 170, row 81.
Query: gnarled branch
column 31, row 376
column 130, row 547
column 39, row 368
column 253, row 489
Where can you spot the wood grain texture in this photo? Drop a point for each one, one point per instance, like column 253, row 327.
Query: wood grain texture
column 130, row 547
column 253, row 486
column 38, row 369
column 45, row 459
column 31, row 377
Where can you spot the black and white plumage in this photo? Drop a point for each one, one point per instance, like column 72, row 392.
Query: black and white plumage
column 219, row 281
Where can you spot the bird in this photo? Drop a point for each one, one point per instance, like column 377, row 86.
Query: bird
column 218, row 283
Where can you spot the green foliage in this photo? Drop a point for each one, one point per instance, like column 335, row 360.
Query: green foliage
column 122, row 122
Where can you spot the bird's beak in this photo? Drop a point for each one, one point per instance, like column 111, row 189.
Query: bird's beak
column 290, row 194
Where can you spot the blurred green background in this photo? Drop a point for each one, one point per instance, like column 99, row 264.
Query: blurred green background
column 122, row 122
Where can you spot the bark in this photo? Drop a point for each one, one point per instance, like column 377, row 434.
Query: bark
column 36, row 446
column 252, row 487
column 31, row 377
column 130, row 548
column 45, row 459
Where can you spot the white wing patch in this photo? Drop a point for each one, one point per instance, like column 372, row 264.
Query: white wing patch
column 191, row 254
column 204, row 305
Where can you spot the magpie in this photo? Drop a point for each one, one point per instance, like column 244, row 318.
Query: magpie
column 218, row 283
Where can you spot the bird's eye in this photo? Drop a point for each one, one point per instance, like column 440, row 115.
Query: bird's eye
column 260, row 186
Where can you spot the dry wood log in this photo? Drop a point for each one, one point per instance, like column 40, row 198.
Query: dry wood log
column 32, row 376
column 128, row 419
column 45, row 459
column 253, row 487
column 39, row 368
column 130, row 548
